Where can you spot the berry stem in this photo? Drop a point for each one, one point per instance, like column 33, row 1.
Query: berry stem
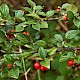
column 38, row 71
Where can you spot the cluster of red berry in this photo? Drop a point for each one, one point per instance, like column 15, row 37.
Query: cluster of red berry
column 73, row 64
column 11, row 36
column 64, row 17
column 37, row 65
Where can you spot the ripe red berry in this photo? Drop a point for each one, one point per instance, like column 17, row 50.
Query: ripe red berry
column 9, row 66
column 37, row 65
column 58, row 9
column 64, row 17
column 70, row 62
column 27, row 33
column 42, row 68
column 12, row 31
column 11, row 36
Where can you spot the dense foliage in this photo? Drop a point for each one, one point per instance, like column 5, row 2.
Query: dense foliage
column 32, row 41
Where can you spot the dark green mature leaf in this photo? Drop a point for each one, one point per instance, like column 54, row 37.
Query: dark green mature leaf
column 14, row 73
column 19, row 13
column 41, row 43
column 36, row 26
column 46, row 63
column 23, row 38
column 71, row 34
column 31, row 21
column 18, row 43
column 42, row 52
column 77, row 22
column 70, row 15
column 19, row 28
column 2, row 36
column 50, row 13
column 44, row 24
column 58, row 37
column 4, row 10
column 31, row 3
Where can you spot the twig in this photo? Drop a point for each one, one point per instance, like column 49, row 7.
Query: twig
column 20, row 50
column 63, row 26
column 24, row 69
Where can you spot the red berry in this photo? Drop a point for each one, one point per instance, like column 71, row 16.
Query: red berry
column 9, row 66
column 27, row 33
column 42, row 68
column 76, row 65
column 37, row 65
column 58, row 9
column 46, row 68
column 70, row 62
column 64, row 17
column 11, row 36
column 12, row 31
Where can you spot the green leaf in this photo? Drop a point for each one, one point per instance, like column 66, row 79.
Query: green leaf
column 63, row 58
column 70, row 15
column 18, row 43
column 27, row 9
column 18, row 63
column 39, row 7
column 31, row 21
column 76, row 22
column 14, row 73
column 8, row 58
column 52, row 51
column 50, row 13
column 70, row 7
column 58, row 37
column 23, row 38
column 41, row 43
column 46, row 63
column 19, row 28
column 21, row 18
column 2, row 36
column 4, row 10
column 36, row 26
column 42, row 52
column 31, row 3
column 44, row 24
column 71, row 34
column 70, row 55
column 65, row 6
column 41, row 13
column 19, row 13
column 60, row 78
column 25, row 54
column 34, row 15
column 1, row 61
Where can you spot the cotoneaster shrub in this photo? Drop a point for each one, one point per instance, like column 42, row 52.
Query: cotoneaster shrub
column 29, row 43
